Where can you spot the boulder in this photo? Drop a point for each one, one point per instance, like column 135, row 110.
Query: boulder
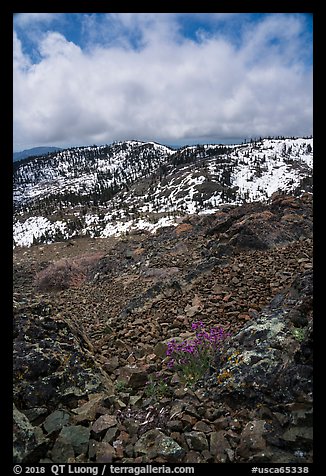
column 89, row 410
column 62, row 451
column 260, row 226
column 52, row 360
column 252, row 438
column 219, row 447
column 56, row 420
column 266, row 361
column 133, row 376
column 28, row 444
column 154, row 443
column 103, row 423
column 77, row 436
column 196, row 440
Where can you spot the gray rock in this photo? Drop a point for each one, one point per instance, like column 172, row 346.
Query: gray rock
column 56, row 420
column 132, row 426
column 52, row 360
column 300, row 435
column 110, row 434
column 196, row 440
column 174, row 425
column 34, row 414
column 276, row 455
column 220, row 447
column 135, row 400
column 28, row 444
column 302, row 415
column 62, row 450
column 103, row 423
column 78, row 436
column 230, row 454
column 154, row 443
column 92, row 445
column 133, row 376
column 264, row 362
column 252, row 438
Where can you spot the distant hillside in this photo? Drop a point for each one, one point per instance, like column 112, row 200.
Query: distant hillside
column 107, row 190
column 33, row 152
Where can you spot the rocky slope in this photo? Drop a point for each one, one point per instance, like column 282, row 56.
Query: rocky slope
column 91, row 322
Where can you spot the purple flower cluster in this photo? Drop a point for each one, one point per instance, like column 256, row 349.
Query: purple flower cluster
column 196, row 325
column 195, row 355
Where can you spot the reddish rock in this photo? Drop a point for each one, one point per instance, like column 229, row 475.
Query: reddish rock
column 133, row 376
column 103, row 423
column 202, row 426
column 252, row 438
column 227, row 298
column 183, row 228
column 193, row 457
column 89, row 410
column 124, row 436
column 244, row 317
column 188, row 420
column 104, row 453
column 218, row 446
column 221, row 423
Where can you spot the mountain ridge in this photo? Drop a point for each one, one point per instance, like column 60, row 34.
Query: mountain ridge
column 34, row 151
column 129, row 185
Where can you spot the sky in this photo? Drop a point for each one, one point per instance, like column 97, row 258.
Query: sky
column 173, row 78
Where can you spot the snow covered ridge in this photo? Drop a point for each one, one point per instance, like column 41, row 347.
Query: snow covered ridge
column 81, row 171
column 108, row 190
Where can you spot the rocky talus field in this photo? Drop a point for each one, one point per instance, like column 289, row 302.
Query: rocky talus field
column 92, row 318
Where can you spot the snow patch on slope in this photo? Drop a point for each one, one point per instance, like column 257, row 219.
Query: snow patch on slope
column 34, row 228
column 131, row 225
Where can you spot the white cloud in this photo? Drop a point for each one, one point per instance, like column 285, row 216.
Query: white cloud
column 28, row 19
column 20, row 61
column 276, row 39
column 167, row 89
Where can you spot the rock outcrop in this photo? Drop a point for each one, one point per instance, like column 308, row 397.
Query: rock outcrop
column 270, row 359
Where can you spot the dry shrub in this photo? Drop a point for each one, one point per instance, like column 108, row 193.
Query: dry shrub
column 66, row 273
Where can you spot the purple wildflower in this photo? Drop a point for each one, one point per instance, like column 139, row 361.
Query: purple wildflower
column 194, row 357
column 197, row 324
column 171, row 363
